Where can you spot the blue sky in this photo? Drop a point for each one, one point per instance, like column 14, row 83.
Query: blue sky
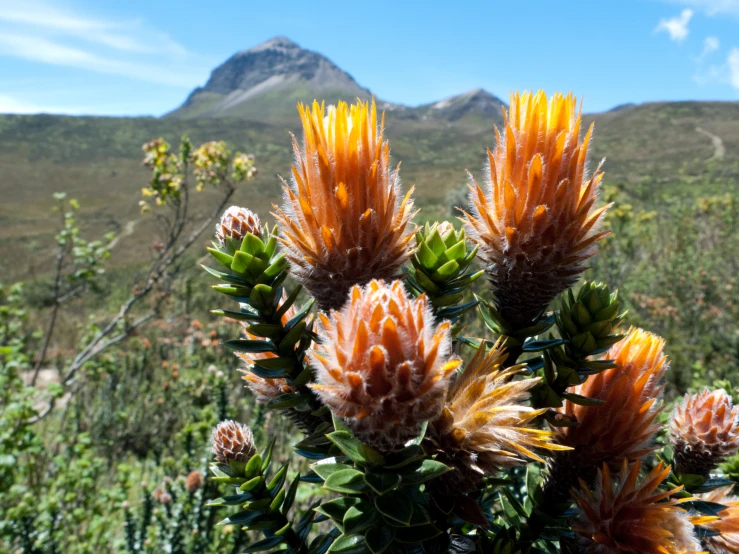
column 143, row 57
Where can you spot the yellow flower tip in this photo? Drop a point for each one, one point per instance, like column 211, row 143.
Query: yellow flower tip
column 384, row 366
column 343, row 219
column 535, row 222
column 704, row 429
column 619, row 514
column 624, row 426
column 484, row 426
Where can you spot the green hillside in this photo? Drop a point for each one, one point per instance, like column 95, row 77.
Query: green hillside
column 651, row 150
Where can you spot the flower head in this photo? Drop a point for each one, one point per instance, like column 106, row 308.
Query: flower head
column 232, row 441
column 703, row 430
column 726, row 523
column 384, row 365
column 624, row 426
column 342, row 220
column 235, row 223
column 535, row 222
column 618, row 515
column 484, row 426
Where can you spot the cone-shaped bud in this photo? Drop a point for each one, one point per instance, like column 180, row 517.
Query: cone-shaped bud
column 383, row 365
column 726, row 524
column 235, row 223
column 343, row 222
column 623, row 426
column 535, row 221
column 589, row 320
column 232, row 442
column 620, row 515
column 484, row 426
column 254, row 266
column 264, row 389
column 194, row 481
column 703, row 430
column 439, row 263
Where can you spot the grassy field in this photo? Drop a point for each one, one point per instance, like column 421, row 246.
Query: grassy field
column 652, row 150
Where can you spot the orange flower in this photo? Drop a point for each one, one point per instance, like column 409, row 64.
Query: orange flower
column 484, row 426
column 623, row 427
column 727, row 522
column 342, row 221
column 383, row 365
column 619, row 516
column 535, row 222
column 703, row 430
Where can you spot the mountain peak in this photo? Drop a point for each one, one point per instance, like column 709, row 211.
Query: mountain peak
column 272, row 76
column 476, row 102
column 266, row 81
column 275, row 43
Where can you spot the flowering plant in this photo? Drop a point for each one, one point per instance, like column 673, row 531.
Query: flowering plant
column 537, row 442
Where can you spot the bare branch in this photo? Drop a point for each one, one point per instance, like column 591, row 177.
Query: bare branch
column 157, row 271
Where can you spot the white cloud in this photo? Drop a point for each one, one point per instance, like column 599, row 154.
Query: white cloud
column 43, row 16
column 676, row 27
column 733, row 63
column 711, row 7
column 710, row 44
column 726, row 73
column 39, row 31
column 39, row 49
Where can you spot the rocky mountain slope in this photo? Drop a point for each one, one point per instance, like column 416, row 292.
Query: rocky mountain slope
column 265, row 82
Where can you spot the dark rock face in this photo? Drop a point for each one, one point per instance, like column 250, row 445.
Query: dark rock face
column 278, row 59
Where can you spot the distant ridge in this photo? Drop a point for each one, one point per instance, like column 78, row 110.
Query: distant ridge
column 266, row 81
column 477, row 102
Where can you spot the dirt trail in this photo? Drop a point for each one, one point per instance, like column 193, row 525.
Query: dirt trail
column 718, row 144
column 127, row 232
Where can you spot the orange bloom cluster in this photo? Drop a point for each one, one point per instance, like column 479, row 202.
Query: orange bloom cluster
column 620, row 516
column 624, row 426
column 484, row 426
column 726, row 524
column 343, row 222
column 535, row 222
column 383, row 365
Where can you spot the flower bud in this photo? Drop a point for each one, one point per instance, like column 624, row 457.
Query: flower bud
column 232, row 441
column 703, row 430
column 194, row 482
column 589, row 320
column 438, row 265
column 235, row 223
